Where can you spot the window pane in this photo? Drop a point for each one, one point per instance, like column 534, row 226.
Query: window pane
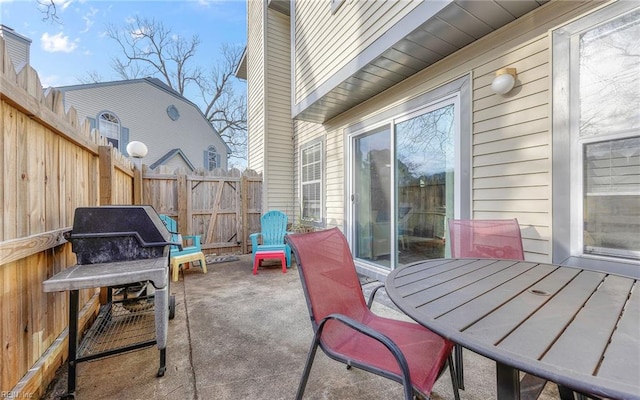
column 311, row 179
column 372, row 197
column 109, row 128
column 424, row 176
column 609, row 76
column 609, row 72
column 612, row 198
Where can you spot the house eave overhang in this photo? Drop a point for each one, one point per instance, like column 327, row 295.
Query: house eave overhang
column 429, row 33
column 241, row 71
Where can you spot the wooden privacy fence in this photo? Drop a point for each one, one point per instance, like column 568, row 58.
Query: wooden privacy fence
column 223, row 207
column 50, row 165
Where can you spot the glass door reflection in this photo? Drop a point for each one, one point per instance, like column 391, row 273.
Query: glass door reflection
column 372, row 197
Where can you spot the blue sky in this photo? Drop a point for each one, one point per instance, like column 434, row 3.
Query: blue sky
column 63, row 52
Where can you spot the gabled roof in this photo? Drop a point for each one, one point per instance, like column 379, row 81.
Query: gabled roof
column 170, row 154
column 157, row 83
column 432, row 31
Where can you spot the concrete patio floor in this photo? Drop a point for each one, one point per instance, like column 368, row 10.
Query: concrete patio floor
column 240, row 336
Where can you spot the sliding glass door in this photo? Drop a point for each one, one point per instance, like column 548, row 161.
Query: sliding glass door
column 403, row 186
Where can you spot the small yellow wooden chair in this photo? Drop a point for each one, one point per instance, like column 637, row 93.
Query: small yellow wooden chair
column 188, row 254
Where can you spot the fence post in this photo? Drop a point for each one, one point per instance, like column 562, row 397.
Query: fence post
column 137, row 184
column 106, row 167
column 244, row 213
column 184, row 200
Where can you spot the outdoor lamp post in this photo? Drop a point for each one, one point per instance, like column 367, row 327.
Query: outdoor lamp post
column 137, row 150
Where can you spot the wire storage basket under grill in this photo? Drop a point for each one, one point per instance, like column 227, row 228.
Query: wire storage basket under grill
column 124, row 249
column 119, row 326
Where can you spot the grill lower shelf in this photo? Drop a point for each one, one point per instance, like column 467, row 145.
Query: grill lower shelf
column 120, row 326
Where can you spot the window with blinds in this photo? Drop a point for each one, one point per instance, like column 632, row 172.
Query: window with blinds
column 311, row 182
column 608, row 135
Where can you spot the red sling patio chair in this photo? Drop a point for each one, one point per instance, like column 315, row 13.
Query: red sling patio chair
column 346, row 329
column 483, row 238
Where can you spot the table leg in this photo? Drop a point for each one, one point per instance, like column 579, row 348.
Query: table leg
column 508, row 381
column 73, row 341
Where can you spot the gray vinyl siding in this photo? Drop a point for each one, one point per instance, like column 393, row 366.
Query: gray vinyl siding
column 17, row 47
column 511, row 135
column 255, row 85
column 141, row 107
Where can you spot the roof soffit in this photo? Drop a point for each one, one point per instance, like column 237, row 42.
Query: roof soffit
column 449, row 27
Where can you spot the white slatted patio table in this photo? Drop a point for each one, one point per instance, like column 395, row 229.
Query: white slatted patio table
column 575, row 327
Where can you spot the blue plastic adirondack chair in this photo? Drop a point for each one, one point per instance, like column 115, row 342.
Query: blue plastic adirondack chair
column 273, row 227
column 188, row 253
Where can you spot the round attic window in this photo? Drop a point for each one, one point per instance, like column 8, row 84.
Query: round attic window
column 172, row 112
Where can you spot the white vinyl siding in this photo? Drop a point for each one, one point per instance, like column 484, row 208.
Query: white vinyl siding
column 511, row 152
column 326, row 41
column 279, row 125
column 255, row 85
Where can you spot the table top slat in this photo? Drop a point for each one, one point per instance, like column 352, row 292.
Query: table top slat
column 622, row 359
column 534, row 337
column 468, row 313
column 444, row 272
column 459, row 291
column 592, row 328
column 495, row 326
column 500, row 271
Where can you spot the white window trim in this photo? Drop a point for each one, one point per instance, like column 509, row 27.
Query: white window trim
column 305, row 147
column 568, row 198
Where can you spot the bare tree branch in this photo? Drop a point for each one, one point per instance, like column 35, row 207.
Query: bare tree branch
column 50, row 11
column 148, row 48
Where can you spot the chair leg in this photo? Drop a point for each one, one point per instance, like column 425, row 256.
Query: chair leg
column 175, row 269
column 255, row 265
column 459, row 366
column 307, row 367
column 454, row 378
column 203, row 264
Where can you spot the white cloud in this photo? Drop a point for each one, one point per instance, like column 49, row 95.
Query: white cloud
column 89, row 19
column 57, row 43
column 65, row 4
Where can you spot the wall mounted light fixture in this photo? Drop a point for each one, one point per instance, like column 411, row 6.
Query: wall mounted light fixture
column 504, row 81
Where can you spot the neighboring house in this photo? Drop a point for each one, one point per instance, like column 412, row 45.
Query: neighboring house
column 380, row 118
column 17, row 46
column 174, row 129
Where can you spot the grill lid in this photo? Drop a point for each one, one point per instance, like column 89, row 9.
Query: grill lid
column 118, row 233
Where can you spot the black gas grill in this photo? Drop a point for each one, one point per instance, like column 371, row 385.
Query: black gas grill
column 123, row 248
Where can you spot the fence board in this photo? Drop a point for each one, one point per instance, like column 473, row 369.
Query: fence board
column 213, row 205
column 52, row 164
